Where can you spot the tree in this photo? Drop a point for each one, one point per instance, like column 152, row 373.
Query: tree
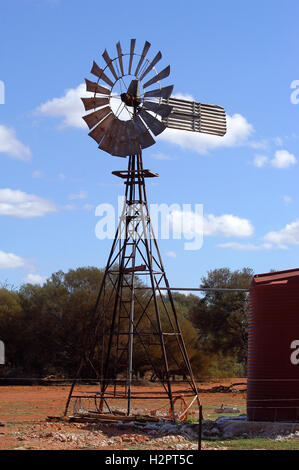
column 221, row 317
column 57, row 315
column 11, row 328
column 44, row 328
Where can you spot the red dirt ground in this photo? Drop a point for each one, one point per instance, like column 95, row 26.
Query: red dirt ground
column 24, row 411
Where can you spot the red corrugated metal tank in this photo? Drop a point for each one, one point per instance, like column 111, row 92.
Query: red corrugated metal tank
column 273, row 347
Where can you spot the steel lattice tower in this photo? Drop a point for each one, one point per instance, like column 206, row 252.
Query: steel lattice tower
column 148, row 321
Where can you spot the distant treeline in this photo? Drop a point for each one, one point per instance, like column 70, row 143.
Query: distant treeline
column 43, row 326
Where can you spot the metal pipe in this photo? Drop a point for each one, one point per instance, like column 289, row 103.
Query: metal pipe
column 199, row 426
column 205, row 289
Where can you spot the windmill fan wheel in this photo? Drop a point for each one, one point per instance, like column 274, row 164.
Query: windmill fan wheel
column 125, row 110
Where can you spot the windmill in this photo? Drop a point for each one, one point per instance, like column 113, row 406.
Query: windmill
column 127, row 108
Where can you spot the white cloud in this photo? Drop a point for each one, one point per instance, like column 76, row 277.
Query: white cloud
column 225, row 225
column 10, row 145
column 10, row 260
column 278, row 141
column 69, row 207
column 238, row 132
column 183, row 96
column 283, row 159
column 80, row 195
column 19, row 204
column 287, row 200
column 186, row 222
column 161, row 156
column 34, row 279
column 88, row 207
column 260, row 161
column 37, row 174
column 289, row 235
column 262, row 144
column 266, row 143
column 171, row 254
column 280, row 239
column 69, row 107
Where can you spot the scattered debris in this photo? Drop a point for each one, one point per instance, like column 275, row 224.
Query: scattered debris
column 226, row 409
column 238, row 427
column 35, row 403
column 101, row 436
column 224, row 389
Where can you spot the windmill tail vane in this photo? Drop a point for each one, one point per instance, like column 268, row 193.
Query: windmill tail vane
column 127, row 109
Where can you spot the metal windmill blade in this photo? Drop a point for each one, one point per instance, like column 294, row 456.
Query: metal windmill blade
column 98, row 72
column 145, row 137
column 96, row 88
column 143, row 109
column 92, row 119
column 101, row 129
column 109, row 136
column 163, row 74
column 92, row 103
column 154, row 124
column 162, row 109
column 129, row 106
column 120, row 55
column 132, row 49
column 151, row 65
column 159, row 92
column 143, row 54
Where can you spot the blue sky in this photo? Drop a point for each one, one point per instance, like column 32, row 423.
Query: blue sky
column 240, row 55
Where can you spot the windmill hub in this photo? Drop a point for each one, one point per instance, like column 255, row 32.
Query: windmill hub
column 132, row 96
column 130, row 100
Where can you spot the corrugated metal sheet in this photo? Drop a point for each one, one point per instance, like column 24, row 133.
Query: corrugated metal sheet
column 273, row 361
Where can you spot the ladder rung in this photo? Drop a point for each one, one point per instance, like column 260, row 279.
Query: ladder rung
column 148, row 334
column 142, row 267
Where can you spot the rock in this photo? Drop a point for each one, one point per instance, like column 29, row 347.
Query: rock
column 117, row 440
column 226, row 409
column 215, row 431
